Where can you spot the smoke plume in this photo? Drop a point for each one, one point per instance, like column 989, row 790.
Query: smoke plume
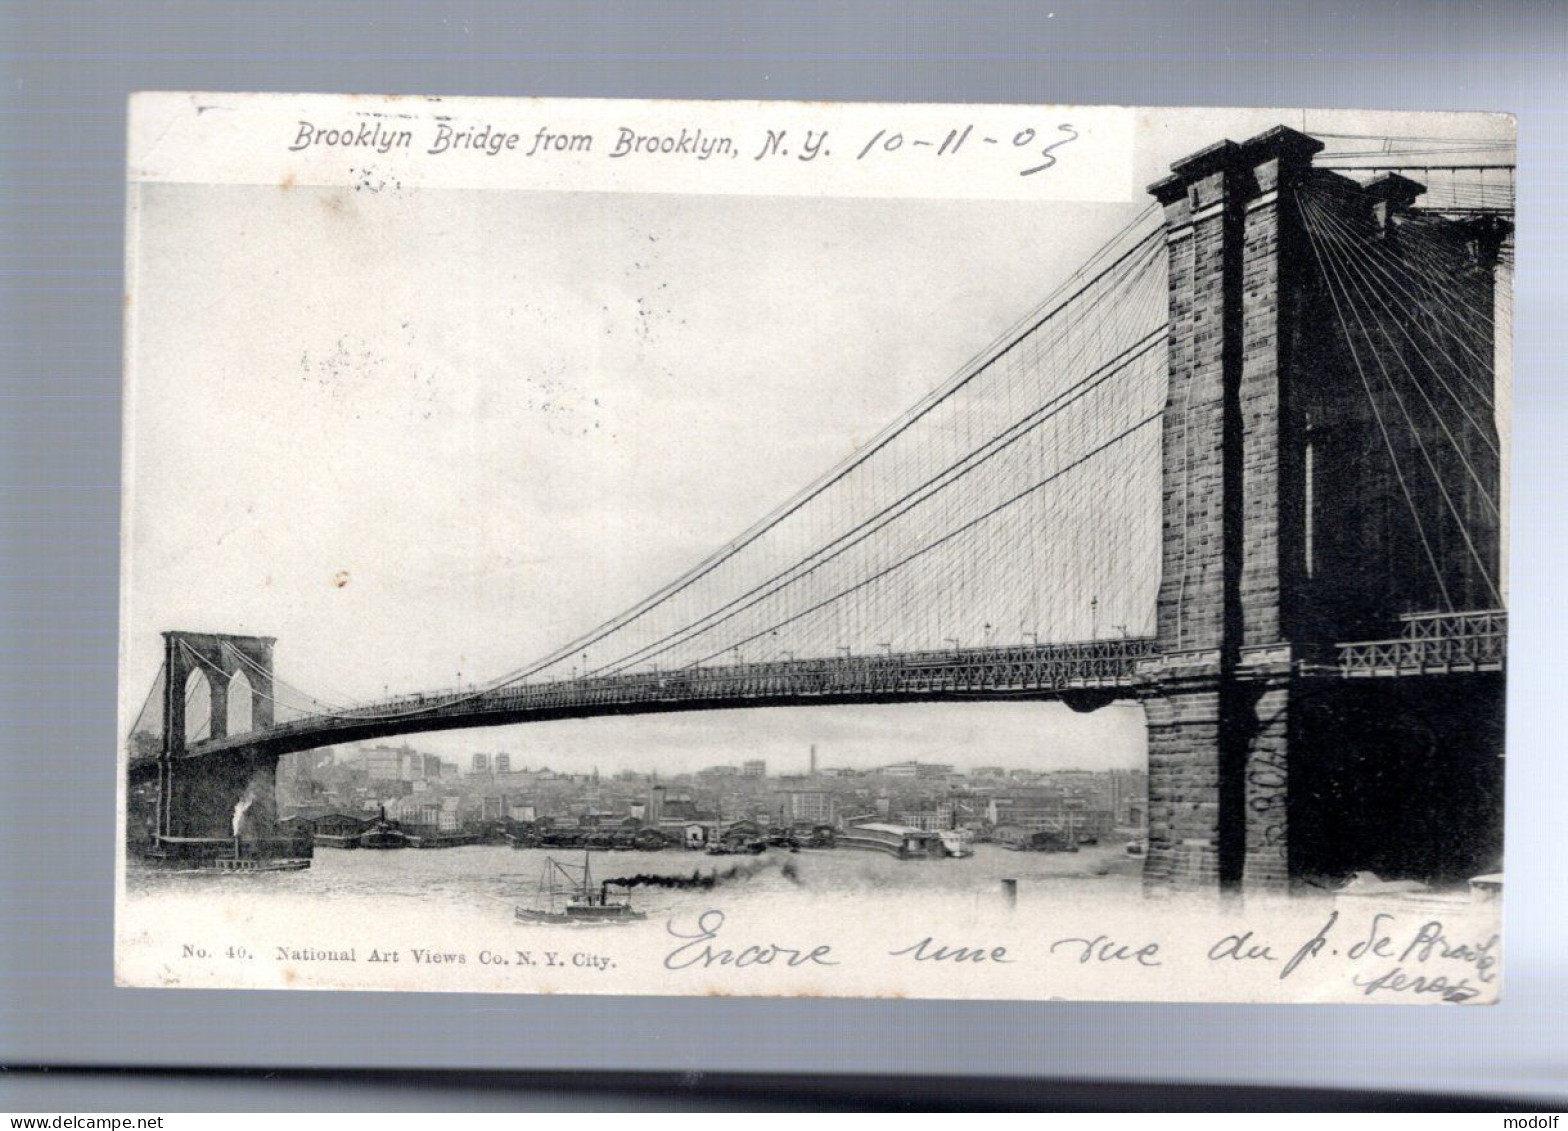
column 241, row 807
column 239, row 814
column 704, row 881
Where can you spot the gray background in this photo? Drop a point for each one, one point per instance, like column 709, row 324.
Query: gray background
column 65, row 71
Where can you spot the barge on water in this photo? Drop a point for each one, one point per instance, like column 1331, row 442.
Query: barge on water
column 262, row 864
column 336, row 840
column 442, row 840
column 902, row 841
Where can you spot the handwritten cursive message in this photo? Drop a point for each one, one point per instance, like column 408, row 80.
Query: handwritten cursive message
column 1379, row 956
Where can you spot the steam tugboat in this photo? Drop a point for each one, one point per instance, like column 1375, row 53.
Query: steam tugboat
column 246, row 850
column 384, row 834
column 569, row 896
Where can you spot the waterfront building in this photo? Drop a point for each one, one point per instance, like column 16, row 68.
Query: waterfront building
column 940, row 818
column 813, row 806
column 917, row 770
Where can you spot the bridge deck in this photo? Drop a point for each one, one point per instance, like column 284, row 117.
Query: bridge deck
column 1449, row 643
column 1040, row 671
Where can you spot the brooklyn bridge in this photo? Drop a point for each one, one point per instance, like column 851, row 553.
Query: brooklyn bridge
column 1243, row 467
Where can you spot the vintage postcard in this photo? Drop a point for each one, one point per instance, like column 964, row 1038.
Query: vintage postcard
column 689, row 548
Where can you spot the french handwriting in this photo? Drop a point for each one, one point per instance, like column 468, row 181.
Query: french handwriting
column 1103, row 948
column 928, row 950
column 1311, row 948
column 1397, row 980
column 698, row 949
column 1241, row 948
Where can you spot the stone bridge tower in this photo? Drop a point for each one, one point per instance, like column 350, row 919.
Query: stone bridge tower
column 1285, row 533
column 200, row 802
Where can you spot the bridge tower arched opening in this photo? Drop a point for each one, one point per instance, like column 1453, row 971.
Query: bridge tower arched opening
column 198, row 705
column 242, row 698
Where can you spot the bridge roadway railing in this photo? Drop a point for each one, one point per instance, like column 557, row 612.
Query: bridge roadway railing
column 1429, row 643
column 1432, row 644
column 1018, row 669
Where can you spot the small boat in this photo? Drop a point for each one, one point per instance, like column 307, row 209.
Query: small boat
column 569, row 896
column 382, row 835
column 264, row 864
column 959, row 843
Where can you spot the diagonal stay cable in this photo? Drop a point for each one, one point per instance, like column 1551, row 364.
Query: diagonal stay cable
column 1437, row 476
column 1388, row 442
column 1346, row 253
column 1335, row 229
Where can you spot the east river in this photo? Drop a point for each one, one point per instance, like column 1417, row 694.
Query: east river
column 481, row 878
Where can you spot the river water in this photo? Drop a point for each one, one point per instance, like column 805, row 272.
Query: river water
column 479, row 877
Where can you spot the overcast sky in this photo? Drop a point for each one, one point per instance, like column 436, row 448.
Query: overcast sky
column 414, row 434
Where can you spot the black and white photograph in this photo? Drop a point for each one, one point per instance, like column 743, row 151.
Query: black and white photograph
column 814, row 549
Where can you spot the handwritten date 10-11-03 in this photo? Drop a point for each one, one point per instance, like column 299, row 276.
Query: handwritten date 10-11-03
column 1042, row 144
